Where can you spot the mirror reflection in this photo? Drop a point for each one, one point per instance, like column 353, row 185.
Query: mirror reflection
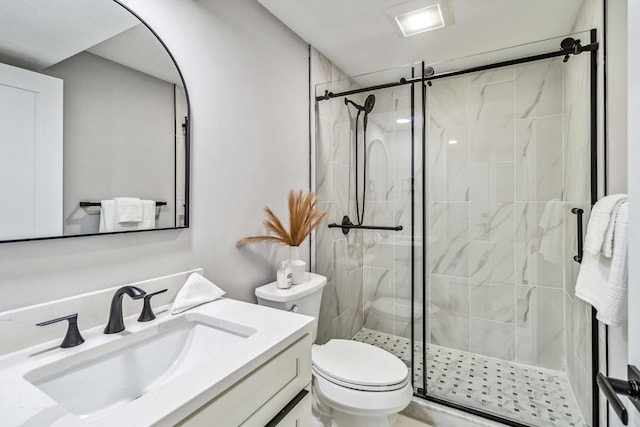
column 93, row 122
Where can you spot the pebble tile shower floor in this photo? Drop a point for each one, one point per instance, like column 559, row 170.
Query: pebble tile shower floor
column 526, row 394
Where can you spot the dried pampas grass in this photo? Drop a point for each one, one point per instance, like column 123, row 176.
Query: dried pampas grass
column 303, row 218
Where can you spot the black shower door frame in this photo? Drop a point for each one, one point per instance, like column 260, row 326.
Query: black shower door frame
column 420, row 390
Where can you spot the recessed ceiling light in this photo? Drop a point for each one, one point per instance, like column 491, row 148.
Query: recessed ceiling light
column 453, row 141
column 421, row 20
column 403, row 121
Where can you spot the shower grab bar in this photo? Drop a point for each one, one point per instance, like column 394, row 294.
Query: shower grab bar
column 578, row 212
column 347, row 225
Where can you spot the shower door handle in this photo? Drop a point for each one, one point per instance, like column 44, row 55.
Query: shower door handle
column 578, row 212
column 611, row 387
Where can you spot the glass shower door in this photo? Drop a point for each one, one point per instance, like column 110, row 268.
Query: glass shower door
column 507, row 159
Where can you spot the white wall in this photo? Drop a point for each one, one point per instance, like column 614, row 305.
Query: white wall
column 247, row 77
column 617, row 145
column 633, row 37
column 634, row 160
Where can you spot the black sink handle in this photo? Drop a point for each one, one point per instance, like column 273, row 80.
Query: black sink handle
column 147, row 313
column 73, row 337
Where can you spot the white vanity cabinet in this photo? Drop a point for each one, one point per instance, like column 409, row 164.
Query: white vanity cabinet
column 273, row 394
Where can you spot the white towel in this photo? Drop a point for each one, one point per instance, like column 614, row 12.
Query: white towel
column 148, row 215
column 128, row 209
column 551, row 246
column 196, row 291
column 602, row 281
column 109, row 223
column 601, row 223
column 107, row 216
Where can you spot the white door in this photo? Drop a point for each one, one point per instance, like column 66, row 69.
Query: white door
column 30, row 154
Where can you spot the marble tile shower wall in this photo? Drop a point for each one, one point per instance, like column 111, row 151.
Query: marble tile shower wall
column 368, row 272
column 497, row 213
column 337, row 257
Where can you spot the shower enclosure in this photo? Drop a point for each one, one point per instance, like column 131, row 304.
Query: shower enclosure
column 463, row 265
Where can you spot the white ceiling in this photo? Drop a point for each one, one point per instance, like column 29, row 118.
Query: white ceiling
column 360, row 37
column 36, row 34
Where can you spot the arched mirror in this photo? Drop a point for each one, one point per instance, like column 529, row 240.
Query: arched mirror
column 94, row 123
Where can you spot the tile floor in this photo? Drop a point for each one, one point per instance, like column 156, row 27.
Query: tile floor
column 526, row 394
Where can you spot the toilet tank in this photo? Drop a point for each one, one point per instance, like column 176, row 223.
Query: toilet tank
column 304, row 298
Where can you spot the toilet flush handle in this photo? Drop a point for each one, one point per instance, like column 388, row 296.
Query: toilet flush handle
column 294, row 308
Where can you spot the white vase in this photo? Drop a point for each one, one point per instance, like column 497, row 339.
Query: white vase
column 297, row 265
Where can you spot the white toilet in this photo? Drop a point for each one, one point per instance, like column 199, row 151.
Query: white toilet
column 354, row 384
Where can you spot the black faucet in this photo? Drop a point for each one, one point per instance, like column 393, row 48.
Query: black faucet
column 116, row 322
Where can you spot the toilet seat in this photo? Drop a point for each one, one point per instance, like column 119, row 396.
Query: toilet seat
column 359, row 366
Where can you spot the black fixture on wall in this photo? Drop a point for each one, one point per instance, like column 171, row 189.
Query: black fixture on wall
column 98, row 204
column 366, row 109
column 346, row 224
column 578, row 213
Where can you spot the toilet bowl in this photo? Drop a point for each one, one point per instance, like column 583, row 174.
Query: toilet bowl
column 362, row 384
column 354, row 384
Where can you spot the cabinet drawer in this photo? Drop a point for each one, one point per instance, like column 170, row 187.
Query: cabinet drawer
column 298, row 416
column 259, row 396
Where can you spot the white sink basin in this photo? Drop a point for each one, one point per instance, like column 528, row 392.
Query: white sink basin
column 124, row 370
column 154, row 374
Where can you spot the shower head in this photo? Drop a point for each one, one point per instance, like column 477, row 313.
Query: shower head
column 567, row 43
column 369, row 103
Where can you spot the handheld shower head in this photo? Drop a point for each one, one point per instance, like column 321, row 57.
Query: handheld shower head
column 567, row 43
column 369, row 103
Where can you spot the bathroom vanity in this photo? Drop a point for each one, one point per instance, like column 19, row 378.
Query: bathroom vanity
column 224, row 363
column 258, row 399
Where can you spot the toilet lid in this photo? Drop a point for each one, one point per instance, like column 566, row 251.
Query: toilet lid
column 358, row 364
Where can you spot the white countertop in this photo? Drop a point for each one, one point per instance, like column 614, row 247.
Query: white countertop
column 23, row 404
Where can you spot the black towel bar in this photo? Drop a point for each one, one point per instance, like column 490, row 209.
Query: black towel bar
column 98, row 204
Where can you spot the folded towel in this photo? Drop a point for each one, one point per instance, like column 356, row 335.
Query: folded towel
column 601, row 223
column 551, row 246
column 108, row 222
column 602, row 281
column 107, row 216
column 128, row 209
column 196, row 291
